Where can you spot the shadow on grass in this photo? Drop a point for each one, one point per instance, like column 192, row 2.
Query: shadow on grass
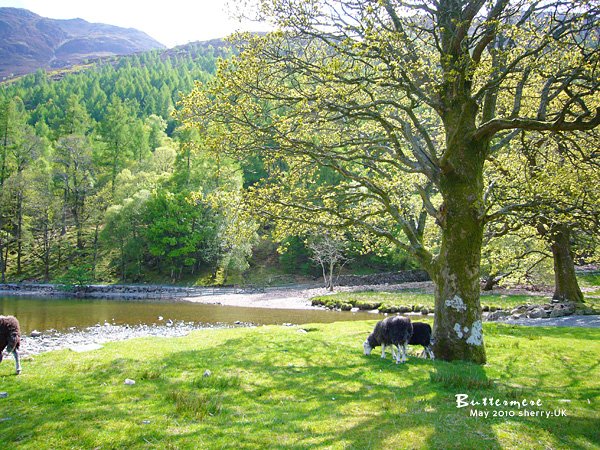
column 288, row 390
column 299, row 399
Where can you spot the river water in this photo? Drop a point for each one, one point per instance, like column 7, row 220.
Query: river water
column 64, row 314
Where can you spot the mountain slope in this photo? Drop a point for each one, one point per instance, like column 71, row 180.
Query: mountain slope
column 29, row 42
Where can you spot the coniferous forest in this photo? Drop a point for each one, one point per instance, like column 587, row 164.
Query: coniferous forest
column 99, row 183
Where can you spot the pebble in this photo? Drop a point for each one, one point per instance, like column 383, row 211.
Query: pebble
column 3, row 394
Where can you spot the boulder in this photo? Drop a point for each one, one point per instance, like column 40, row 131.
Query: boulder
column 497, row 315
column 585, row 311
column 562, row 309
column 537, row 313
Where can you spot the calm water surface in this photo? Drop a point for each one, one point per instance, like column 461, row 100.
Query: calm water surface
column 35, row 313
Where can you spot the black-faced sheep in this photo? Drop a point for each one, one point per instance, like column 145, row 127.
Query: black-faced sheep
column 10, row 338
column 422, row 336
column 392, row 331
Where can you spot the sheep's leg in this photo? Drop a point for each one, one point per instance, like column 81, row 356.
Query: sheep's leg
column 394, row 352
column 404, row 357
column 383, row 350
column 431, row 355
column 399, row 354
column 17, row 361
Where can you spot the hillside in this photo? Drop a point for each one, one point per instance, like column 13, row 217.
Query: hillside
column 29, row 42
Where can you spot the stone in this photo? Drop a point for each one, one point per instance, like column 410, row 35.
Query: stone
column 497, row 315
column 207, row 373
column 559, row 312
column 537, row 313
column 35, row 333
column 129, row 381
column 3, row 394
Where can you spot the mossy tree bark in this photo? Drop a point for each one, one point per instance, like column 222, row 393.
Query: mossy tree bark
column 458, row 323
column 566, row 287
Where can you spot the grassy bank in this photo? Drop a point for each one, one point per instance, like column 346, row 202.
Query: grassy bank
column 406, row 301
column 278, row 387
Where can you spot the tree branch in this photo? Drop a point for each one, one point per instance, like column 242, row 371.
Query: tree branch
column 490, row 128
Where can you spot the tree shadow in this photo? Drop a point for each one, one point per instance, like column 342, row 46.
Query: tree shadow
column 291, row 390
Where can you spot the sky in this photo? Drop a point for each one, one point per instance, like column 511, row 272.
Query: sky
column 171, row 22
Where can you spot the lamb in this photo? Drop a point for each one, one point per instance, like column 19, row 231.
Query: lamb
column 422, row 336
column 10, row 338
column 392, row 331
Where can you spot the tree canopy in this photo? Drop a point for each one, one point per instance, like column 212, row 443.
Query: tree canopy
column 405, row 102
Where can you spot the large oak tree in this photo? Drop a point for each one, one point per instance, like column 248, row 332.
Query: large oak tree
column 402, row 97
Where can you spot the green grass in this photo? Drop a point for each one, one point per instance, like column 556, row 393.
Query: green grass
column 405, row 301
column 590, row 280
column 274, row 387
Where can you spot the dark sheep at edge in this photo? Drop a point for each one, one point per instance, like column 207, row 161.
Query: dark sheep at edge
column 10, row 338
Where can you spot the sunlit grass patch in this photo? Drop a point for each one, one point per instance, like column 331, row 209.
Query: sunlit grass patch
column 273, row 387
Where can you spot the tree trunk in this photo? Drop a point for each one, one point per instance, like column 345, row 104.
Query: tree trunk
column 490, row 282
column 122, row 247
column 77, row 214
column 2, row 261
column 4, row 267
column 324, row 273
column 566, row 287
column 46, row 246
column 456, row 272
column 95, row 258
column 19, row 228
column 331, row 267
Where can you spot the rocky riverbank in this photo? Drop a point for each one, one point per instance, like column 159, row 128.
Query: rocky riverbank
column 94, row 337
column 117, row 291
column 550, row 310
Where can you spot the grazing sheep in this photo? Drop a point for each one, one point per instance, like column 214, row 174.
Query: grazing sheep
column 422, row 336
column 10, row 338
column 392, row 331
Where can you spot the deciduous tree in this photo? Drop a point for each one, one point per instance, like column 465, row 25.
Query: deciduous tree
column 400, row 98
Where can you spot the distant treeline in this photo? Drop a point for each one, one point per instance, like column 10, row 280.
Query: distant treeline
column 95, row 180
column 97, row 183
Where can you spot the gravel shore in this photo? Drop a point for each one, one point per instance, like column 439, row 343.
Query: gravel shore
column 82, row 339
